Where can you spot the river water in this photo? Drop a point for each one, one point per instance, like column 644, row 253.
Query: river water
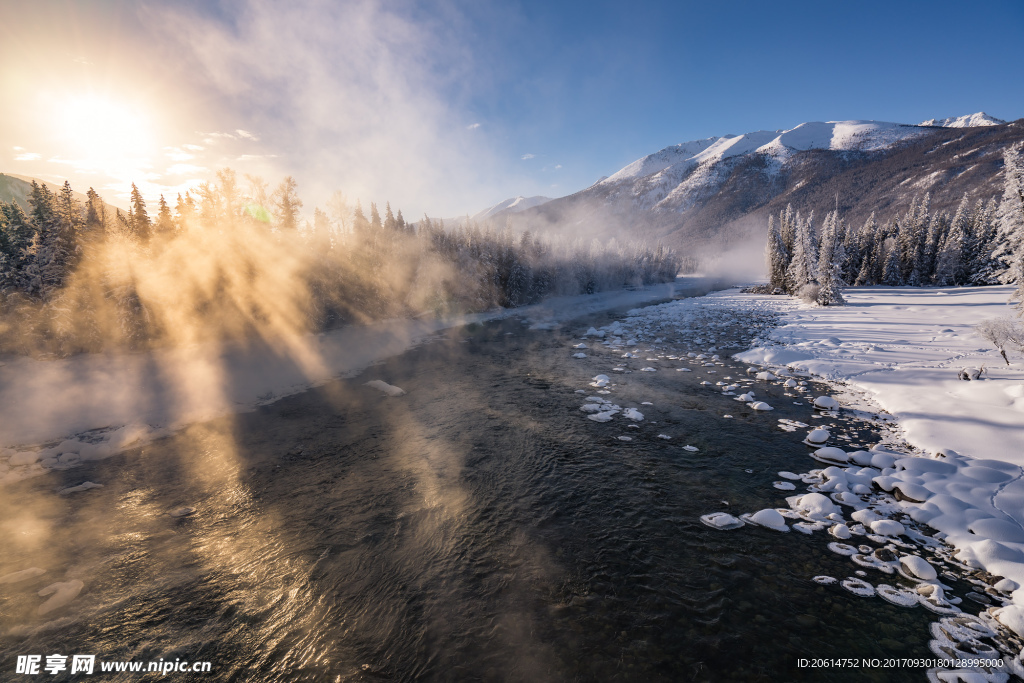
column 477, row 528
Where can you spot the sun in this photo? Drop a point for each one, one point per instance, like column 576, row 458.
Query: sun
column 103, row 131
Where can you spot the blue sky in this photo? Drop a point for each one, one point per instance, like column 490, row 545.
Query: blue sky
column 448, row 107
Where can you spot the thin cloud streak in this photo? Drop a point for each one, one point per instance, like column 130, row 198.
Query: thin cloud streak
column 357, row 96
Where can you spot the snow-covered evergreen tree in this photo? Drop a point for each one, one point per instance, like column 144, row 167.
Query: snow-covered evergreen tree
column 95, row 213
column 139, row 222
column 867, row 248
column 287, row 204
column 787, row 228
column 936, row 233
column 912, row 233
column 18, row 234
column 53, row 248
column 1011, row 221
column 892, row 270
column 984, row 267
column 803, row 267
column 776, row 258
column 164, row 219
column 949, row 262
column 830, row 262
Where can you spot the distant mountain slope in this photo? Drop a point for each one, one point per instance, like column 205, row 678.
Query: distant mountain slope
column 721, row 189
column 17, row 188
column 968, row 121
column 513, row 205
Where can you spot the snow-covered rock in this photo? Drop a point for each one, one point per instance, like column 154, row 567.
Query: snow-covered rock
column 770, row 518
column 818, row 435
column 918, row 567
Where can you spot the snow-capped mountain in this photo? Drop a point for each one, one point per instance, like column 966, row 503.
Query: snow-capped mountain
column 676, row 177
column 966, row 121
column 513, row 205
column 864, row 136
column 712, row 188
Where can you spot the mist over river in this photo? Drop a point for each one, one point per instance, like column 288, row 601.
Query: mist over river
column 478, row 527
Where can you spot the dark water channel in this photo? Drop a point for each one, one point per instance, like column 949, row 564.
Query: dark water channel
column 477, row 528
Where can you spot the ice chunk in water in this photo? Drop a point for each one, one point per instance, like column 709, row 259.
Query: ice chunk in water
column 23, row 575
column 385, row 388
column 62, row 594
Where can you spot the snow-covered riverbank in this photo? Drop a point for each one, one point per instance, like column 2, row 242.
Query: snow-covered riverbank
column 951, row 458
column 901, row 349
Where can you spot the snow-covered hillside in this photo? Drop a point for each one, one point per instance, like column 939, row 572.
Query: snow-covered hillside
column 697, row 194
column 965, row 121
column 513, row 205
column 864, row 136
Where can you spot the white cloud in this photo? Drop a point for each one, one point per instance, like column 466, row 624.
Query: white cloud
column 558, row 166
column 527, row 156
column 18, row 149
column 186, row 169
column 194, row 148
column 27, row 156
column 177, row 154
column 246, row 135
column 473, row 126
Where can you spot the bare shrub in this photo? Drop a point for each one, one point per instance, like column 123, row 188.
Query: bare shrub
column 1004, row 333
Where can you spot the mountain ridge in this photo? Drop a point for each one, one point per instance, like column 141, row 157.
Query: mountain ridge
column 691, row 194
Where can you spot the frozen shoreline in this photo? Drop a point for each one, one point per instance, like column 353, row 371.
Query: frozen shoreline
column 895, row 350
column 900, row 349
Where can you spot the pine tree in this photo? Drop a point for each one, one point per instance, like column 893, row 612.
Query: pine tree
column 787, row 228
column 19, row 234
column 321, row 229
column 830, row 260
column 359, row 223
column 892, row 270
column 937, row 230
column 776, row 258
column 95, row 213
column 912, row 234
column 52, row 247
column 287, row 202
column 949, row 263
column 1011, row 221
column 164, row 219
column 985, row 266
column 185, row 208
column 230, row 197
column 375, row 224
column 803, row 266
column 867, row 248
column 139, row 222
column 389, row 218
column 71, row 224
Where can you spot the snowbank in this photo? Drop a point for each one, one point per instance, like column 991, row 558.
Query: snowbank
column 902, row 349
column 904, row 346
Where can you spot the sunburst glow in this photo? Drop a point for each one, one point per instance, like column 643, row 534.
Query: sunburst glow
column 103, row 130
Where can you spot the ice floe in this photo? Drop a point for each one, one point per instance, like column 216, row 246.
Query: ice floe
column 62, row 593
column 23, row 575
column 385, row 388
column 721, row 520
